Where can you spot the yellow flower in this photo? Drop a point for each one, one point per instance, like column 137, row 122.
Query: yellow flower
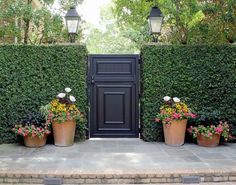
column 184, row 107
column 178, row 107
column 61, row 107
column 72, row 107
column 53, row 109
column 55, row 102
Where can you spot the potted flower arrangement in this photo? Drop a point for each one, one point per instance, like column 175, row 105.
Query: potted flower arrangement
column 62, row 113
column 209, row 136
column 174, row 115
column 33, row 129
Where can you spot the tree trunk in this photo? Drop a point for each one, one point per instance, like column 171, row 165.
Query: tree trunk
column 42, row 37
column 27, row 25
column 26, row 35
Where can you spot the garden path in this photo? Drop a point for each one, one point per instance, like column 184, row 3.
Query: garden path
column 118, row 156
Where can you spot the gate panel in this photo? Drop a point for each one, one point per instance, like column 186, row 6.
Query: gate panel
column 114, row 95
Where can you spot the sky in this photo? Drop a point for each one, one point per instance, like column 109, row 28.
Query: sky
column 90, row 11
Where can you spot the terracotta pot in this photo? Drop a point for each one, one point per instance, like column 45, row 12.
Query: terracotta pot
column 35, row 142
column 208, row 142
column 64, row 132
column 175, row 132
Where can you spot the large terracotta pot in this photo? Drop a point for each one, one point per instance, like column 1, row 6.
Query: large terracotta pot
column 175, row 132
column 35, row 142
column 64, row 132
column 208, row 142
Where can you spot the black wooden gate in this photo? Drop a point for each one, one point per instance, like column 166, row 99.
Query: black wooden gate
column 113, row 92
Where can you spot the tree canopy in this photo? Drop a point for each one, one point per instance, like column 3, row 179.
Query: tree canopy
column 186, row 21
column 33, row 25
column 109, row 39
column 124, row 23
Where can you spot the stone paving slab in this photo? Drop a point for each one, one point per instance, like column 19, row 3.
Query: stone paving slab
column 224, row 183
column 131, row 159
column 126, row 154
column 210, row 183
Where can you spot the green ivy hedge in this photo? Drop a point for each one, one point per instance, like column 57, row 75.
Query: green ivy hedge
column 203, row 76
column 30, row 76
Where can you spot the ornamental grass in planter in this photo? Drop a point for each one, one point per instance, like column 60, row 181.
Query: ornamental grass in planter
column 174, row 115
column 33, row 129
column 209, row 136
column 63, row 113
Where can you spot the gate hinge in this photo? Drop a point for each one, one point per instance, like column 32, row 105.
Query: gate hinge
column 140, row 61
column 139, row 95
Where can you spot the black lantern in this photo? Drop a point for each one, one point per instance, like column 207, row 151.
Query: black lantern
column 155, row 20
column 72, row 22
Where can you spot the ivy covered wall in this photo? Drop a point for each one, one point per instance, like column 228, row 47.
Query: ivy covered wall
column 30, row 76
column 204, row 76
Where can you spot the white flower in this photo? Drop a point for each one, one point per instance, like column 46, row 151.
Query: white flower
column 61, row 95
column 72, row 98
column 176, row 100
column 67, row 89
column 167, row 98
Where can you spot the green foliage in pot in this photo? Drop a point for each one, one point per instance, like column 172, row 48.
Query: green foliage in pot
column 62, row 108
column 33, row 125
column 173, row 109
column 221, row 129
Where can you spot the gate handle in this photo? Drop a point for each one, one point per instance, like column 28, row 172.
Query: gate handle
column 92, row 79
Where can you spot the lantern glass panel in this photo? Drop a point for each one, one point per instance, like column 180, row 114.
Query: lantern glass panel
column 72, row 25
column 155, row 24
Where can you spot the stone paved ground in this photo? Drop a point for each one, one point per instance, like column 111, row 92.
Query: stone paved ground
column 118, row 156
column 219, row 183
column 210, row 183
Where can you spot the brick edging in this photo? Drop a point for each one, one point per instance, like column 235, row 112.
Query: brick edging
column 117, row 177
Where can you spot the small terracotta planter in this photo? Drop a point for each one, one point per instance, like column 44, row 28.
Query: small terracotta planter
column 64, row 132
column 175, row 132
column 35, row 142
column 208, row 142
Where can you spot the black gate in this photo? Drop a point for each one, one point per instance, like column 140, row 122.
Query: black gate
column 113, row 92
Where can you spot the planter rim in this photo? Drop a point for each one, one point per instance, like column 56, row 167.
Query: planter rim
column 200, row 134
column 177, row 120
column 30, row 135
column 63, row 122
